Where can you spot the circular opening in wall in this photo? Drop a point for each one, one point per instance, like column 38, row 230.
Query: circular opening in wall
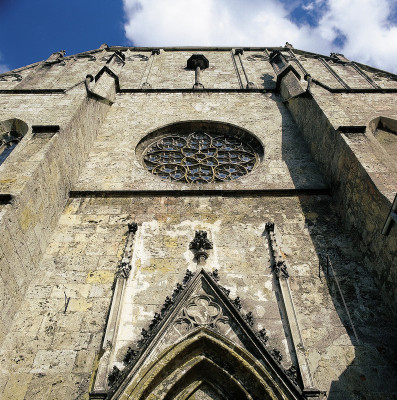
column 198, row 152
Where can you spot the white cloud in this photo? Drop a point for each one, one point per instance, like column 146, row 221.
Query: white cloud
column 308, row 7
column 368, row 36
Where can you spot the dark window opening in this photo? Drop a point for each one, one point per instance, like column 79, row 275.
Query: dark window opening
column 8, row 142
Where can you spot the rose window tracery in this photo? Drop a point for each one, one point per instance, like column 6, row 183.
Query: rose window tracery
column 200, row 157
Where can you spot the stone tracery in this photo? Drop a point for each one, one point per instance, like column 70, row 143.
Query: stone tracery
column 200, row 157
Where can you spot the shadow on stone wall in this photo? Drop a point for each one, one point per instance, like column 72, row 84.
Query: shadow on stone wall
column 268, row 81
column 355, row 357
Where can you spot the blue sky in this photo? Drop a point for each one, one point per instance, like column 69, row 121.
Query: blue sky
column 363, row 30
column 30, row 30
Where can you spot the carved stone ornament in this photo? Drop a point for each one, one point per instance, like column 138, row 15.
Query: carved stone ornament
column 11, row 77
column 197, row 60
column 124, row 267
column 262, row 336
column 88, row 57
column 200, row 244
column 278, row 265
column 258, row 57
column 202, row 311
column 137, row 57
column 132, row 227
column 123, row 270
column 198, row 308
column 201, row 241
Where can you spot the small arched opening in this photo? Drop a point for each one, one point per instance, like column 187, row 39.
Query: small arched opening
column 11, row 133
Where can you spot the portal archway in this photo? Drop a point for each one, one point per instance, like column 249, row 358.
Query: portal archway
column 203, row 359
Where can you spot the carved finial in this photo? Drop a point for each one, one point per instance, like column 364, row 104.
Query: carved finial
column 57, row 56
column 269, row 227
column 132, row 227
column 200, row 244
column 200, row 241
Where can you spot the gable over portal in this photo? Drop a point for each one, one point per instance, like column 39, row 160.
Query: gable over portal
column 198, row 338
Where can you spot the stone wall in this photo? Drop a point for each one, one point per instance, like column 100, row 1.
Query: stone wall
column 38, row 176
column 361, row 173
column 51, row 351
column 68, row 194
column 114, row 165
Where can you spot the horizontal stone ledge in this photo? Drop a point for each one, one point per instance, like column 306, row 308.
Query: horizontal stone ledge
column 385, row 90
column 204, row 90
column 193, row 48
column 201, row 192
column 32, row 91
column 127, row 90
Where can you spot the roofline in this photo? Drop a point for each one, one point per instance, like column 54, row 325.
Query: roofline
column 201, row 48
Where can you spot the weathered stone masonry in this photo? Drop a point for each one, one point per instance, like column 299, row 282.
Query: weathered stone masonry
column 314, row 207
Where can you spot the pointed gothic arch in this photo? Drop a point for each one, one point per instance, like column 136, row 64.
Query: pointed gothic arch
column 203, row 356
column 199, row 387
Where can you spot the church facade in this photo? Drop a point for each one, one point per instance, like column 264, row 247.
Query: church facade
column 198, row 224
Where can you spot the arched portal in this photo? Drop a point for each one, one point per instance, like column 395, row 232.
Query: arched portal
column 203, row 361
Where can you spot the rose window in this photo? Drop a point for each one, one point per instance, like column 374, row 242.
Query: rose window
column 200, row 157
